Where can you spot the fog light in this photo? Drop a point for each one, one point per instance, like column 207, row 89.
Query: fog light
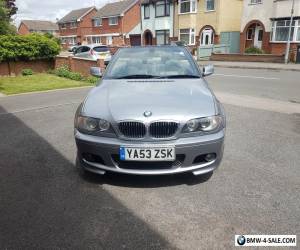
column 210, row 157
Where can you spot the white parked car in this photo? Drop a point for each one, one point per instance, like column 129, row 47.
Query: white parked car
column 93, row 51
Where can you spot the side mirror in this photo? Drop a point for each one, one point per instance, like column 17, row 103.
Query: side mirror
column 208, row 70
column 95, row 71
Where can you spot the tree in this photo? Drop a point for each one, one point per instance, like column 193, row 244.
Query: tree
column 11, row 7
column 5, row 26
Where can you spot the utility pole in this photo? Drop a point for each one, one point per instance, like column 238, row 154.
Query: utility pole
column 288, row 45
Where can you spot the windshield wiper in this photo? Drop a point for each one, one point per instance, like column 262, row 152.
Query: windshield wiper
column 141, row 76
column 180, row 76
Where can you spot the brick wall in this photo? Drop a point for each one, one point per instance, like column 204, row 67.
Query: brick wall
column 248, row 58
column 23, row 30
column 279, row 48
column 131, row 18
column 84, row 27
column 15, row 68
column 81, row 65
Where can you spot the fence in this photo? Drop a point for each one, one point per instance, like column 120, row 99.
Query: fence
column 76, row 64
column 204, row 52
column 248, row 58
column 12, row 68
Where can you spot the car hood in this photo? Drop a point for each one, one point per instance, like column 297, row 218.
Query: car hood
column 178, row 99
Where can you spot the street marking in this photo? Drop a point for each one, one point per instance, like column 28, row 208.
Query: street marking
column 258, row 103
column 254, row 77
column 38, row 108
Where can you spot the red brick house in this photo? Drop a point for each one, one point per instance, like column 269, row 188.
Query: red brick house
column 76, row 25
column 37, row 26
column 116, row 24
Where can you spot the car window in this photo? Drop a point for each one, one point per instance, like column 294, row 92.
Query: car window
column 160, row 62
column 78, row 50
column 85, row 49
column 101, row 49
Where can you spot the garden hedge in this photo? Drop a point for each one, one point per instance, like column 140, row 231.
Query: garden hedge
column 29, row 47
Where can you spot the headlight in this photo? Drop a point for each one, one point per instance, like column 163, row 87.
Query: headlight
column 89, row 124
column 205, row 124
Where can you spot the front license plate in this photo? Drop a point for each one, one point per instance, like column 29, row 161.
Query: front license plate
column 147, row 154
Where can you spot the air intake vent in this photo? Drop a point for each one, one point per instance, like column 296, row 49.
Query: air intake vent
column 132, row 129
column 163, row 129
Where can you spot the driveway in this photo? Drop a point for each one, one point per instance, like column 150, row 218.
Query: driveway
column 46, row 202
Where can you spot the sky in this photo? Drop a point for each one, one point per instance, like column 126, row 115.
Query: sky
column 51, row 9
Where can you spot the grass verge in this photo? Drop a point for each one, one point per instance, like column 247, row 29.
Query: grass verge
column 37, row 82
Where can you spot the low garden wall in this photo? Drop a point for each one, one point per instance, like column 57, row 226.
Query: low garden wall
column 268, row 58
column 16, row 67
column 80, row 65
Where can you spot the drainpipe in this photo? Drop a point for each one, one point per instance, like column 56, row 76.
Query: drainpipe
column 173, row 21
column 288, row 45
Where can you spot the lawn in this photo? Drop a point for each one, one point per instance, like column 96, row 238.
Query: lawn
column 37, row 82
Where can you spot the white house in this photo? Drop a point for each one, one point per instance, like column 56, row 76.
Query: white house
column 157, row 21
column 265, row 25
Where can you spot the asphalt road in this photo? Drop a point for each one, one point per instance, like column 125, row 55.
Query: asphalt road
column 47, row 203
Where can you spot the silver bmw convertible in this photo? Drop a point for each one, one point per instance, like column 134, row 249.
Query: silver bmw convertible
column 152, row 113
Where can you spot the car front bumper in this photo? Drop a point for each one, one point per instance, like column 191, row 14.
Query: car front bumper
column 100, row 154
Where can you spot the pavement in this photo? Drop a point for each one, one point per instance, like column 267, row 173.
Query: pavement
column 46, row 202
column 253, row 65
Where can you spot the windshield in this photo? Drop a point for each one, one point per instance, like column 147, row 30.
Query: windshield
column 152, row 62
column 101, row 49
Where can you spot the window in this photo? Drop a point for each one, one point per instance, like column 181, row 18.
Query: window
column 162, row 8
column 82, row 49
column 162, row 37
column 63, row 26
column 146, row 11
column 187, row 6
column 210, row 5
column 250, row 33
column 255, row 1
column 96, row 39
column 161, row 61
column 187, row 35
column 68, row 40
column 101, row 49
column 97, row 22
column 113, row 20
column 280, row 31
column 73, row 25
column 109, row 40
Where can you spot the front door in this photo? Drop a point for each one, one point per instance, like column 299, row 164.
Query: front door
column 258, row 36
column 206, row 37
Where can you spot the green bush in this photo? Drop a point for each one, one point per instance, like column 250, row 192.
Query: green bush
column 62, row 71
column 254, row 50
column 27, row 72
column 92, row 79
column 29, row 47
column 75, row 76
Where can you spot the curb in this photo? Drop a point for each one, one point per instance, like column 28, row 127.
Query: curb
column 254, row 67
column 247, row 66
column 45, row 91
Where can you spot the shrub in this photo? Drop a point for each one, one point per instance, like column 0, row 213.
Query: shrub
column 254, row 50
column 27, row 72
column 29, row 47
column 63, row 71
column 92, row 79
column 75, row 76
